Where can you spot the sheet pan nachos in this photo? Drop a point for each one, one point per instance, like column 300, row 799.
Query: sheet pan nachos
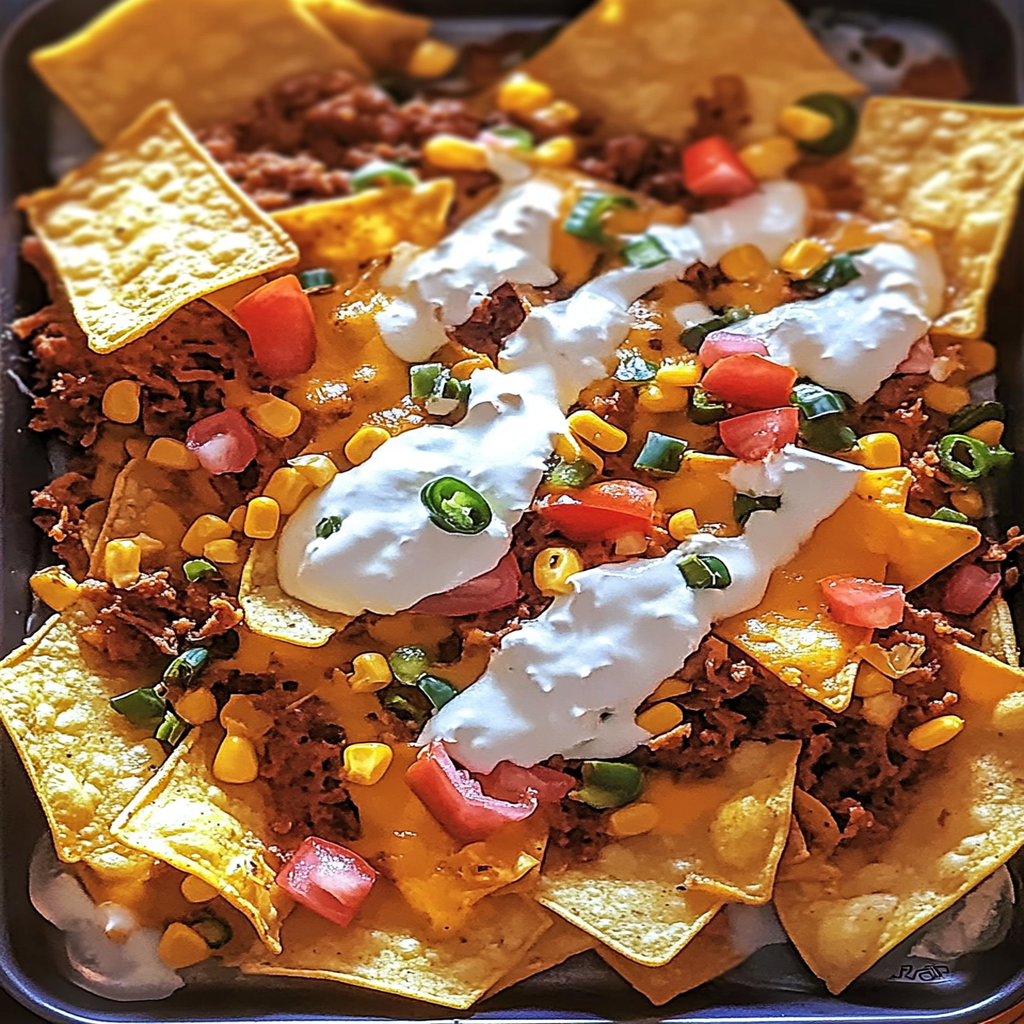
column 517, row 522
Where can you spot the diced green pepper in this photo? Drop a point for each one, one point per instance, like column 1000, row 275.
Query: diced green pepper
column 143, row 707
column 705, row 572
column 440, row 691
column 661, row 454
column 409, row 663
column 608, row 784
column 745, row 505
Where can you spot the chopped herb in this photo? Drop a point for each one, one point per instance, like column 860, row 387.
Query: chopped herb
column 327, row 526
column 645, row 252
column 745, row 505
column 380, row 173
column 455, row 507
column 661, row 454
column 586, row 219
column 196, row 569
column 705, row 572
column 634, row 369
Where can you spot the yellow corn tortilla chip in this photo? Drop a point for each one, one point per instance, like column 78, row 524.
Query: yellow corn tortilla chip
column 954, row 169
column 389, row 948
column 993, row 626
column 211, row 58
column 148, row 225
column 718, row 839
column 556, row 945
column 384, row 37
column 271, row 612
column 640, row 64
column 845, row 911
column 188, row 819
column 84, row 759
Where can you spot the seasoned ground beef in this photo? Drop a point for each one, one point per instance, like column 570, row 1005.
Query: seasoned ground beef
column 61, row 505
column 498, row 316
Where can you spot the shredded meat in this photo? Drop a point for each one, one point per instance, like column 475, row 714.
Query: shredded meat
column 498, row 316
column 61, row 505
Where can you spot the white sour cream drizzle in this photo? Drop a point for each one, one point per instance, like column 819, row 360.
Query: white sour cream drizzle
column 569, row 681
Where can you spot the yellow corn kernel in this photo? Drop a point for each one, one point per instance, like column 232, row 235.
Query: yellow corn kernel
column 946, row 398
column 660, row 718
column 805, row 124
column 522, row 94
column 206, row 528
column 552, row 568
column 196, row 706
column 171, row 454
column 770, row 158
column 453, row 153
column 195, row 890
column 241, row 717
column 683, row 524
column 287, row 486
column 121, row 401
column 274, row 415
column 370, row 672
column 223, row 552
column 363, row 443
column 930, row 735
column 559, row 151
column 968, row 501
column 262, row 518
column 597, row 432
column 877, row 451
column 990, row 432
column 671, row 687
column 559, row 116
column 465, row 368
column 181, row 946
column 679, row 375
column 237, row 518
column 663, row 398
column 634, row 820
column 55, row 586
column 366, row 763
column 978, row 357
column 745, row 263
column 319, row 470
column 571, row 449
column 236, row 761
column 803, row 257
column 870, row 682
column 432, row 59
column 121, row 560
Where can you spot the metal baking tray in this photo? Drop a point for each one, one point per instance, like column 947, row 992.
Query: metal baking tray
column 772, row 984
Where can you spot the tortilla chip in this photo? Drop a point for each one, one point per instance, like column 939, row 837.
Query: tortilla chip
column 557, row 944
column 719, row 839
column 954, row 169
column 211, row 58
column 384, row 37
column 85, row 760
column 148, row 225
column 389, row 948
column 271, row 612
column 640, row 64
column 188, row 819
column 711, row 954
column 845, row 911
column 993, row 626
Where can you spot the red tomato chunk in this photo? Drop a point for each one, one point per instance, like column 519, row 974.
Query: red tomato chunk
column 510, row 781
column 750, row 380
column 857, row 602
column 602, row 511
column 279, row 321
column 711, row 167
column 327, row 878
column 721, row 344
column 758, row 434
column 968, row 589
column 223, row 442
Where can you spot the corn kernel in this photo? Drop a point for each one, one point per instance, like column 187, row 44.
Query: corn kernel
column 432, row 59
column 274, row 415
column 571, row 449
column 181, row 946
column 803, row 257
column 745, row 263
column 870, row 682
column 452, row 153
column 366, row 763
column 663, row 398
column 946, row 398
column 223, row 552
column 977, row 356
column 559, row 151
column 522, row 94
column 770, row 158
column 634, row 820
column 683, row 524
column 556, row 117
column 196, row 706
column 237, row 518
column 55, row 586
column 287, row 486
column 671, row 687
column 465, row 368
column 319, row 470
column 968, row 501
column 195, row 890
column 241, row 717
column 236, row 761
column 930, row 735
column 363, row 443
column 171, row 454
column 805, row 124
column 678, row 375
column 262, row 518
column 630, row 544
column 121, row 561
column 120, row 401
column 552, row 568
column 877, row 451
column 597, row 432
column 990, row 432
column 206, row 528
column 370, row 672
column 660, row 718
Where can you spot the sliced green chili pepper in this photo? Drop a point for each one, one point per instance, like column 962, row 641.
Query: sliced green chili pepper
column 571, row 475
column 316, row 280
column 455, row 507
column 423, row 377
column 949, row 515
column 974, row 415
column 143, row 707
column 379, row 173
column 828, row 434
column 634, row 369
column 409, row 663
column 840, row 270
column 813, row 400
column 409, row 703
column 215, row 931
column 705, row 572
column 745, row 505
column 967, row 459
column 645, row 252
column 171, row 729
column 185, row 667
column 440, row 691
column 661, row 454
column 586, row 219
column 609, row 784
column 693, row 337
column 327, row 526
column 705, row 409
column 520, row 138
column 196, row 569
column 843, row 115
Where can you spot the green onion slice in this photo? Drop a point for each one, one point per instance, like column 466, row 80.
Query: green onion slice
column 634, row 369
column 455, row 507
column 967, row 459
column 381, row 173
column 705, row 572
column 408, row 703
column 215, row 931
column 745, row 505
column 438, row 690
column 609, row 784
column 196, row 569
column 949, row 515
column 705, row 409
column 186, row 667
column 171, row 729
column 327, row 526
column 520, row 138
column 843, row 115
column 828, row 434
column 974, row 415
column 661, row 453
column 143, row 707
column 423, row 377
column 693, row 337
column 832, row 274
column 814, row 401
column 645, row 252
column 571, row 475
column 586, row 219
column 316, row 280
column 409, row 663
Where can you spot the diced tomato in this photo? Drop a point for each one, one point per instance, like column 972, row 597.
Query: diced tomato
column 279, row 321
column 602, row 511
column 857, row 602
column 757, row 434
column 721, row 344
column 457, row 800
column 223, row 442
column 712, row 167
column 919, row 358
column 750, row 381
column 327, row 878
column 510, row 781
column 495, row 589
column 968, row 589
